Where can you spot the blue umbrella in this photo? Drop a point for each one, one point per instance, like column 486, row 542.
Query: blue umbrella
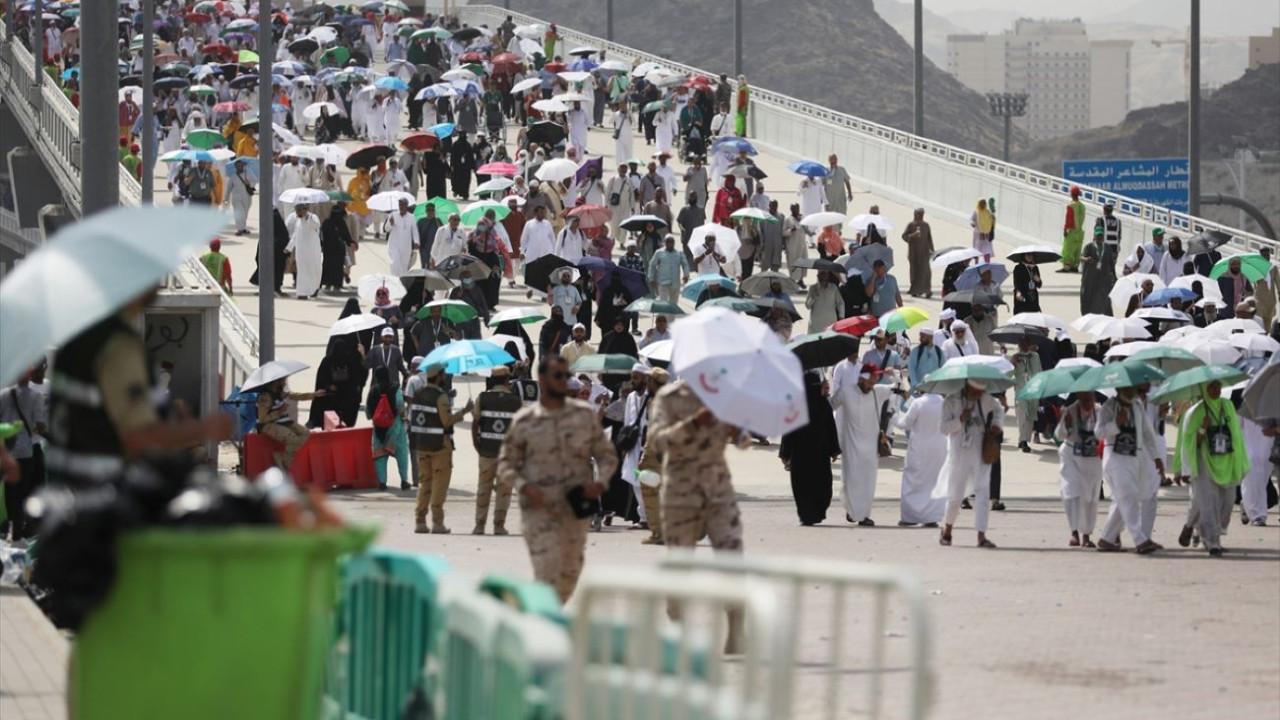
column 584, row 65
column 733, row 145
column 391, row 83
column 1164, row 296
column 442, row 131
column 808, row 168
column 633, row 281
column 969, row 278
column 193, row 156
column 464, row 356
column 466, row 87
column 695, row 286
column 71, row 73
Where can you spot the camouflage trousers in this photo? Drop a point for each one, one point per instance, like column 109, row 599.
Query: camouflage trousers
column 688, row 513
column 557, row 547
column 490, row 486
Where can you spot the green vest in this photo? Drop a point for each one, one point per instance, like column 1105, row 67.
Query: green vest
column 215, row 263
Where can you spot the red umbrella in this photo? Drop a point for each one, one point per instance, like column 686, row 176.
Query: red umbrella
column 497, row 168
column 197, row 17
column 473, row 56
column 224, row 52
column 420, row 141
column 857, row 326
column 231, row 107
column 592, row 216
column 699, row 82
column 506, row 63
column 368, row 156
column 555, row 66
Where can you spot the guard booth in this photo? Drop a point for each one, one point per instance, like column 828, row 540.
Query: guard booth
column 180, row 330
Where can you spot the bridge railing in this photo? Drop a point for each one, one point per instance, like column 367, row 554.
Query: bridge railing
column 909, row 169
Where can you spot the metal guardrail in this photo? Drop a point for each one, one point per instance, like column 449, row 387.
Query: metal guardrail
column 53, row 125
column 908, row 168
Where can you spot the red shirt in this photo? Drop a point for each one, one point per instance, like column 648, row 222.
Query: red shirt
column 728, row 201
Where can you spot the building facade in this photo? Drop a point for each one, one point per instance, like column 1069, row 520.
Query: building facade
column 1264, row 49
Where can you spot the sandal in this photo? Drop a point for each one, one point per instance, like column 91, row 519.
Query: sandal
column 1075, row 542
column 944, row 540
column 985, row 543
column 1087, row 543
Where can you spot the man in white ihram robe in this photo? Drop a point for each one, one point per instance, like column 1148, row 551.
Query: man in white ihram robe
column 923, row 464
column 858, row 420
column 1126, row 459
column 964, row 421
column 402, row 239
column 636, row 411
column 664, row 130
column 304, row 244
column 579, row 124
column 392, row 118
column 1079, row 467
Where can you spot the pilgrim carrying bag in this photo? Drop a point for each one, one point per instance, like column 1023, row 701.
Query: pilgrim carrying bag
column 991, row 438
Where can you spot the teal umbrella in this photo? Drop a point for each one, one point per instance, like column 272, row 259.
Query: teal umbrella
column 1051, row 382
column 649, row 306
column 465, row 356
column 454, row 311
column 950, row 379
column 1168, row 359
column 522, row 315
column 1187, row 384
column 604, row 363
column 1117, row 375
column 735, row 304
column 444, row 207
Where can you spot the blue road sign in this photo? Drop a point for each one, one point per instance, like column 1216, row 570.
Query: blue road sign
column 1159, row 181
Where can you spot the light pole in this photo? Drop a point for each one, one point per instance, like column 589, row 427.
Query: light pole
column 737, row 37
column 266, row 218
column 918, row 126
column 149, row 145
column 1193, row 114
column 99, row 83
column 608, row 20
column 1008, row 106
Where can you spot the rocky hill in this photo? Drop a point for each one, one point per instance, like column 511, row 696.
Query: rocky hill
column 836, row 53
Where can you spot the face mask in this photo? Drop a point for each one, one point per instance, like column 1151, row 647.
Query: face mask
column 466, row 282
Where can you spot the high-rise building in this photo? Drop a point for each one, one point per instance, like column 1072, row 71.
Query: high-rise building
column 1264, row 49
column 1073, row 83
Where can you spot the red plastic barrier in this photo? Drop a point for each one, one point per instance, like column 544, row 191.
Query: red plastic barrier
column 333, row 459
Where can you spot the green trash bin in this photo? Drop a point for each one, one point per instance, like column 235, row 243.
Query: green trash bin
column 213, row 624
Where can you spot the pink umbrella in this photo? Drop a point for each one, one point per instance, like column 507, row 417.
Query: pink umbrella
column 591, row 216
column 497, row 168
column 231, row 107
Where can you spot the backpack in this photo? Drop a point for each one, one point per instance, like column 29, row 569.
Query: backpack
column 383, row 416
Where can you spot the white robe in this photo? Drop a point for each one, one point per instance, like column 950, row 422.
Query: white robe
column 631, row 461
column 391, row 119
column 402, row 239
column 859, row 429
column 304, row 243
column 964, row 472
column 664, row 130
column 1078, row 476
column 537, row 240
column 813, row 198
column 1253, row 488
column 579, row 123
column 621, row 123
column 1129, row 476
column 569, row 245
column 923, row 464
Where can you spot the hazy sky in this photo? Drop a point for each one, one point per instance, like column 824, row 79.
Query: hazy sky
column 1217, row 16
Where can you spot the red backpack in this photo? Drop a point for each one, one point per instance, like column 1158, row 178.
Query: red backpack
column 383, row 416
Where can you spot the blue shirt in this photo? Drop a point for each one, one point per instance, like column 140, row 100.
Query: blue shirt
column 668, row 266
column 923, row 360
column 886, row 296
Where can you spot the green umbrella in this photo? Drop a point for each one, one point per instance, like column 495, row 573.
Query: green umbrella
column 1252, row 266
column 950, row 379
column 8, row 430
column 654, row 106
column 523, row 315
column 752, row 213
column 1117, row 375
column 339, row 54
column 735, row 304
column 339, row 196
column 348, row 76
column 444, row 208
column 432, row 32
column 246, row 57
column 649, row 306
column 205, row 139
column 1051, row 382
column 1186, row 384
column 202, row 90
column 604, row 363
column 407, row 30
column 454, row 311
column 476, row 210
column 1168, row 359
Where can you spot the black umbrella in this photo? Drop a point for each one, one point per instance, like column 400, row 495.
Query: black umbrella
column 172, row 83
column 768, row 305
column 824, row 349
column 305, row 46
column 359, row 59
column 453, row 266
column 537, row 274
column 244, row 81
column 1207, row 241
column 545, row 132
column 174, row 69
column 368, row 156
column 636, row 223
column 864, row 257
column 1014, row 333
column 317, row 9
column 467, row 34
column 127, row 80
column 819, row 264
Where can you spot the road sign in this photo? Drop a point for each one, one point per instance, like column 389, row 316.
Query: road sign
column 1160, row 181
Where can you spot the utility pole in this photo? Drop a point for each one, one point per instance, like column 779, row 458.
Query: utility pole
column 99, row 84
column 1193, row 114
column 266, row 220
column 737, row 37
column 37, row 43
column 1008, row 106
column 608, row 20
column 918, row 126
column 149, row 145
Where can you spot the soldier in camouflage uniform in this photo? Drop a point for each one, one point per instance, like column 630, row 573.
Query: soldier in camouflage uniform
column 548, row 451
column 494, row 410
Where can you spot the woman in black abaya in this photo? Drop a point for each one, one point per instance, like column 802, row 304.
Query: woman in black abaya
column 808, row 453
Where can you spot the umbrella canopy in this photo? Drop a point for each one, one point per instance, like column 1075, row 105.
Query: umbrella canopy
column 999, row 362
column 1207, row 241
column 857, row 326
column 369, row 155
column 60, row 289
column 753, row 213
column 758, row 284
column 312, row 111
column 592, row 216
column 233, row 106
column 437, row 33
column 1261, row 395
column 557, row 169
column 205, row 139
column 444, row 208
column 475, row 212
column 1254, row 345
column 1040, row 320
column 1057, row 381
column 336, row 56
column 498, row 168
column 1230, row 326
column 649, row 306
column 951, row 378
column 1012, row 334
column 332, row 154
column 864, row 257
column 391, row 83
column 431, row 279
column 731, row 302
column 455, row 311
column 698, row 284
column 527, row 84
column 1130, row 285
column 304, row 47
column 453, row 266
column 809, row 168
column 1039, row 254
column 1125, row 350
column 823, row 349
column 1188, row 384
column 356, row 323
column 1129, row 373
column 824, row 219
column 466, row 356
column 304, row 196
column 1207, row 288
column 1211, row 350
column 658, row 352
column 304, row 151
column 546, row 133
column 860, row 223
column 496, row 185
column 1168, row 359
column 1164, row 296
column 389, row 201
column 270, row 372
column 636, row 223
column 902, row 319
column 1103, row 327
column 604, row 364
column 1253, row 266
column 972, row 275
column 943, row 258
column 1161, row 314
column 522, row 315
column 819, row 264
column 727, row 241
column 368, row 286
column 741, row 371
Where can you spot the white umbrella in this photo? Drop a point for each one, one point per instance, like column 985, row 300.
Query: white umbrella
column 526, row 84
column 1212, row 350
column 557, row 169
column 459, row 74
column 998, row 362
column 1254, row 345
column 861, row 222
column 1235, row 325
column 221, row 154
column 1130, row 285
column 1078, row 362
column 88, row 271
column 304, row 80
column 272, row 371
column 369, row 285
column 1039, row 319
column 740, row 369
column 1180, row 333
column 304, row 196
column 664, row 78
column 659, row 351
column 572, row 96
column 304, row 151
column 550, row 106
column 1161, row 314
column 285, row 135
column 532, row 32
column 727, row 240
column 645, row 68
column 323, row 34
column 953, row 257
column 615, row 66
column 312, row 111
column 356, row 323
column 495, row 185
column 333, row 154
column 1208, row 288
column 517, row 314
column 389, row 201
column 1119, row 329
column 584, row 50
column 824, row 219
column 133, row 90
column 1124, row 350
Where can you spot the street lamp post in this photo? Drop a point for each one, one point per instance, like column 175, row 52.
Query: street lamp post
column 918, row 67
column 1008, row 106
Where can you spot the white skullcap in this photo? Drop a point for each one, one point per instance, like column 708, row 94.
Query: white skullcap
column 958, row 325
column 639, row 368
column 388, row 332
column 927, row 331
column 579, row 326
column 878, row 332
column 948, row 314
